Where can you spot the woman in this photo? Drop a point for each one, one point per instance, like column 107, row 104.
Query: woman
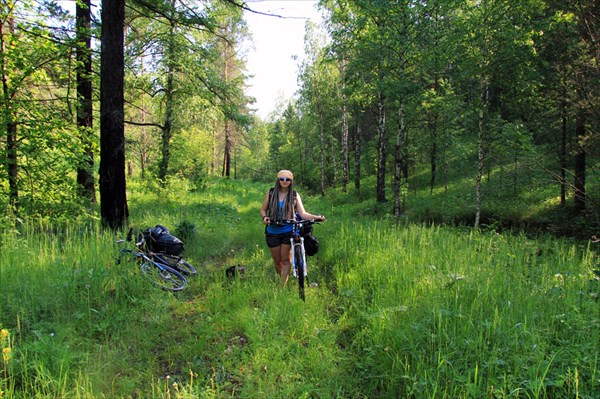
column 281, row 204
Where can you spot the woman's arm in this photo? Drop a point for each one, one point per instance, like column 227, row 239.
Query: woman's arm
column 303, row 213
column 263, row 210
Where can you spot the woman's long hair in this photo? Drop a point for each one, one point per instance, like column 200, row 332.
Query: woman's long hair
column 289, row 203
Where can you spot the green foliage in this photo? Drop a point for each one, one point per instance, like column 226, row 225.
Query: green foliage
column 399, row 311
column 186, row 230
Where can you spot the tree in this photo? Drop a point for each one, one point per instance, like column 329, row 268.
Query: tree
column 7, row 32
column 113, row 197
column 85, row 174
column 232, row 101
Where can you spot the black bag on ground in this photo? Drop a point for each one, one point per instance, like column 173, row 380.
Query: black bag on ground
column 159, row 239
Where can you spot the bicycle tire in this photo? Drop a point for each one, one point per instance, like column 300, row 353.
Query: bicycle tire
column 177, row 263
column 300, row 271
column 163, row 276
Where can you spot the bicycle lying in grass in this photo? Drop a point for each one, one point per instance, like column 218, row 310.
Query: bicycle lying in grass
column 299, row 263
column 159, row 268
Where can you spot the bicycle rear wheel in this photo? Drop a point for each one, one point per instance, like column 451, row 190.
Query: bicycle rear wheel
column 163, row 276
column 176, row 262
column 300, row 267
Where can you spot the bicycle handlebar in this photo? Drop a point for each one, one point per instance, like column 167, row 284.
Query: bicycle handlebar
column 295, row 222
column 129, row 238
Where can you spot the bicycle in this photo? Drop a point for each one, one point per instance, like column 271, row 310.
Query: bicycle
column 170, row 259
column 299, row 264
column 158, row 273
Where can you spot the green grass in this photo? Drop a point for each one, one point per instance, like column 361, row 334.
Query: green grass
column 408, row 311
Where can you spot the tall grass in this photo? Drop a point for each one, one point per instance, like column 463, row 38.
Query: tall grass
column 441, row 312
column 399, row 311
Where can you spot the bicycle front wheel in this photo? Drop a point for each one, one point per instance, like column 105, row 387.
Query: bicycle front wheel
column 300, row 267
column 163, row 276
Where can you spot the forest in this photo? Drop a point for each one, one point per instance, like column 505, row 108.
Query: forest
column 417, row 101
column 453, row 146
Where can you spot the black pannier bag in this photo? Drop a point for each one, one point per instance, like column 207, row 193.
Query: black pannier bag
column 311, row 244
column 306, row 230
column 159, row 239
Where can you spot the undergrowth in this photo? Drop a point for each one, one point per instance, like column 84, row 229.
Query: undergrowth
column 411, row 310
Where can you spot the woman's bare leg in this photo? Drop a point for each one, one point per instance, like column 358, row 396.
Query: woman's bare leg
column 276, row 255
column 282, row 256
column 286, row 263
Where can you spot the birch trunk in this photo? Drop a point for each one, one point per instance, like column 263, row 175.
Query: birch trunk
column 381, row 148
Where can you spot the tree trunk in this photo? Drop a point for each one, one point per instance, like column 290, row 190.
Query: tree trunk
column 433, row 119
column 12, row 162
column 345, row 161
column 227, row 151
column 563, row 150
column 113, row 198
column 226, row 171
column 381, row 148
column 85, row 168
column 357, row 156
column 579, row 184
column 167, row 129
column 432, row 153
column 400, row 144
column 481, row 153
column 8, row 28
column 322, row 149
column 213, row 149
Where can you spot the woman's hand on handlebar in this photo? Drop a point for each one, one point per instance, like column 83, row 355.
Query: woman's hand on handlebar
column 266, row 220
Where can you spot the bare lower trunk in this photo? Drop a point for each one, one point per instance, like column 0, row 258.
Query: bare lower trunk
column 400, row 144
column 579, row 184
column 345, row 161
column 226, row 172
column 381, row 149
column 481, row 155
column 357, row 158
column 433, row 151
column 563, row 151
column 12, row 163
column 322, row 150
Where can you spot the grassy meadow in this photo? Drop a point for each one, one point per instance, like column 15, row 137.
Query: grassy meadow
column 408, row 311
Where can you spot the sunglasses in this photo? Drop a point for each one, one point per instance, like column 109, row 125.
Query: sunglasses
column 285, row 179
